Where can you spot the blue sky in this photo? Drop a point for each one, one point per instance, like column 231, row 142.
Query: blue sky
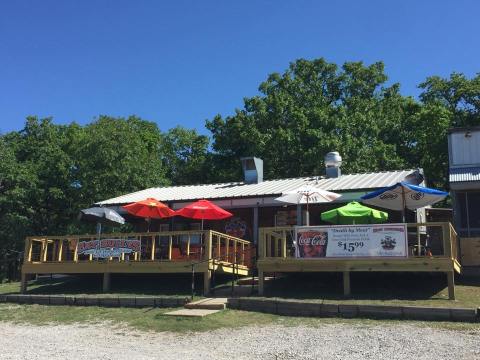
column 182, row 62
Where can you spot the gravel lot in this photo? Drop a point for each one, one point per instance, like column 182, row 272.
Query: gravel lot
column 330, row 341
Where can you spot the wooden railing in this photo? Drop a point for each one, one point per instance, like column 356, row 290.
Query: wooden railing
column 441, row 238
column 155, row 246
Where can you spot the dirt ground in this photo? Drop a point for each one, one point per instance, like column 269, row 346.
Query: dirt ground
column 329, row 341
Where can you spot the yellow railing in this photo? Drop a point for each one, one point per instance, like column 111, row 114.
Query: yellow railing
column 440, row 237
column 155, row 246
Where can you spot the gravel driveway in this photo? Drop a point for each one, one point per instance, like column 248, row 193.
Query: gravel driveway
column 329, row 341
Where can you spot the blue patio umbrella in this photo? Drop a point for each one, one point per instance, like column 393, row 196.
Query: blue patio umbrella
column 403, row 196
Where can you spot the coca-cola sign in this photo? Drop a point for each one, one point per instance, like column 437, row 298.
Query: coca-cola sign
column 312, row 239
column 312, row 244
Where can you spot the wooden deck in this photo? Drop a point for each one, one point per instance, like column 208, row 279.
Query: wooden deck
column 161, row 252
column 276, row 255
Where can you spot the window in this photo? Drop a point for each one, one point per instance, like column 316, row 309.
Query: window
column 468, row 206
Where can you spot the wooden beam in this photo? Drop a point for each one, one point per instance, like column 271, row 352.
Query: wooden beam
column 209, row 245
column 106, row 282
column 153, row 247
column 261, row 243
column 100, row 267
column 243, row 254
column 227, row 244
column 261, row 283
column 367, row 265
column 447, row 244
column 275, row 246
column 346, row 284
column 44, row 250
column 23, row 283
column 206, row 282
column 60, row 250
column 27, row 255
column 451, row 285
column 75, row 253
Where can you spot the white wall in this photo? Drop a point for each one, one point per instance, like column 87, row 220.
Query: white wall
column 464, row 148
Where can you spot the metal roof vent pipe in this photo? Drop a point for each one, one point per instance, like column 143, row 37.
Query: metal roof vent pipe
column 333, row 161
column 252, row 169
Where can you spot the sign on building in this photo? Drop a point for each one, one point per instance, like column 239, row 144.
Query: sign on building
column 106, row 248
column 351, row 241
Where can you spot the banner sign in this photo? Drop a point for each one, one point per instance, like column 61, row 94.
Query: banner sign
column 109, row 247
column 347, row 241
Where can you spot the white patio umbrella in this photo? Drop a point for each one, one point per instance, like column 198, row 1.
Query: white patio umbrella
column 308, row 194
column 403, row 196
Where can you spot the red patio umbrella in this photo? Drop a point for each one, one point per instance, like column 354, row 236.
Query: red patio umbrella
column 150, row 209
column 204, row 210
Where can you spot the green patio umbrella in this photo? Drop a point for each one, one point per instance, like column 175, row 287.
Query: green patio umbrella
column 354, row 213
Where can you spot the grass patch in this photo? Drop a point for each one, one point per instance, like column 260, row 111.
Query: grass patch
column 121, row 285
column 149, row 319
column 153, row 319
column 416, row 289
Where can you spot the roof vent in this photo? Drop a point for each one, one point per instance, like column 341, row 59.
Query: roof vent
column 333, row 161
column 252, row 169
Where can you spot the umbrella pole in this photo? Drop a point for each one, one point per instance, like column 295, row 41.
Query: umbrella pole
column 202, row 224
column 99, row 232
column 403, row 204
column 307, row 216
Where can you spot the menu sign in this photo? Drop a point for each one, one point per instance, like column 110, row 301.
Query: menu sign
column 348, row 241
column 106, row 248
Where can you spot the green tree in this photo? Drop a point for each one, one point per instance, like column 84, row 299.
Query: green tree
column 185, row 154
column 42, row 150
column 313, row 108
column 116, row 156
column 460, row 95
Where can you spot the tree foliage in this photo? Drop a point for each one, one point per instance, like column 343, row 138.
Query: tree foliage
column 185, row 154
column 311, row 109
column 315, row 107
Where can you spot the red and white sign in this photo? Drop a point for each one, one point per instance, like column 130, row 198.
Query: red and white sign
column 351, row 241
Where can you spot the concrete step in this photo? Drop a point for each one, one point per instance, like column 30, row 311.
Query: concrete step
column 191, row 312
column 208, row 304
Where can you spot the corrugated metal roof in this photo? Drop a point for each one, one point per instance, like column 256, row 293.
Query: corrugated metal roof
column 266, row 188
column 465, row 174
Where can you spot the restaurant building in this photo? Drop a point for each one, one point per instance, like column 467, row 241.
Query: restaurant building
column 252, row 201
column 260, row 235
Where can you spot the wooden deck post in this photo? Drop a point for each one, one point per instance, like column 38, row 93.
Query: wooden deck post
column 60, row 250
column 209, row 245
column 346, row 284
column 447, row 241
column 451, row 285
column 75, row 252
column 106, row 282
column 23, row 283
column 261, row 282
column 207, row 275
column 153, row 248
